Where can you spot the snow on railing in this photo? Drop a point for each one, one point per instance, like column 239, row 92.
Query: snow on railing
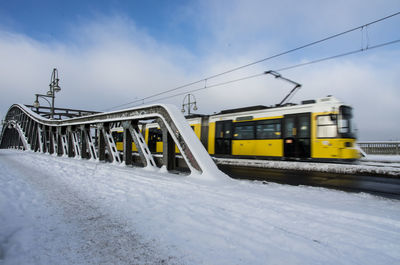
column 380, row 147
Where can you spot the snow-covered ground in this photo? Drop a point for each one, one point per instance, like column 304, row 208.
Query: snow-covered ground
column 68, row 211
column 382, row 158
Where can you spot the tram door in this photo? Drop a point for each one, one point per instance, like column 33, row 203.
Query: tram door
column 296, row 135
column 223, row 137
column 155, row 135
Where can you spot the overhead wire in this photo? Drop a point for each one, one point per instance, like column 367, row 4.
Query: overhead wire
column 281, row 69
column 338, row 55
column 259, row 61
column 211, row 86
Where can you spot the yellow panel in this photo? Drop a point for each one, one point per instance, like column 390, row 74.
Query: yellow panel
column 273, row 147
column 146, row 136
column 334, row 148
column 159, row 147
column 349, row 153
column 211, row 138
column 120, row 146
column 197, row 129
column 243, row 147
column 313, row 134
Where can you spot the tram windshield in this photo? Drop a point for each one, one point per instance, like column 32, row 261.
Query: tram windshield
column 346, row 127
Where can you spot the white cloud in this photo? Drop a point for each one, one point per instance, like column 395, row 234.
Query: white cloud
column 239, row 20
column 370, row 88
column 107, row 63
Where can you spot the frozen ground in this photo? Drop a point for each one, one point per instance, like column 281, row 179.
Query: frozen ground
column 69, row 211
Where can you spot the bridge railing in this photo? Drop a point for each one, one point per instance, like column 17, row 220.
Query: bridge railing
column 380, row 147
column 60, row 113
column 89, row 137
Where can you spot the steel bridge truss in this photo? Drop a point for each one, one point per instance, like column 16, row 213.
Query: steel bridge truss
column 89, row 137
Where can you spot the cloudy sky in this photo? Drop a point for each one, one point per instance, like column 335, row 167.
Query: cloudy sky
column 109, row 53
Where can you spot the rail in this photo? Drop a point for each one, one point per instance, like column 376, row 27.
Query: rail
column 380, row 147
column 60, row 113
column 89, row 137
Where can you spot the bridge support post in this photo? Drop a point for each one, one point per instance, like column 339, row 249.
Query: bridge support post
column 26, row 123
column 23, row 122
column 89, row 141
column 133, row 130
column 34, row 137
column 101, row 142
column 44, row 139
column 74, row 143
column 28, row 131
column 59, row 142
column 70, row 142
column 62, row 141
column 127, row 142
column 168, row 147
column 39, row 137
column 53, row 140
column 110, row 144
column 84, row 143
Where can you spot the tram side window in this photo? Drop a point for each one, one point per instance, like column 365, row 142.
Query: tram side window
column 326, row 127
column 114, row 135
column 118, row 136
column 155, row 135
column 269, row 129
column 345, row 122
column 244, row 131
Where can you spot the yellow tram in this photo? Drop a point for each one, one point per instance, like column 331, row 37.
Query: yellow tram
column 320, row 130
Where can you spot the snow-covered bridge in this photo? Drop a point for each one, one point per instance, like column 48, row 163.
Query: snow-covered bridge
column 89, row 137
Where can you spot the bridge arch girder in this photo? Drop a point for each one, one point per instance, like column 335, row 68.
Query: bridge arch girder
column 89, row 136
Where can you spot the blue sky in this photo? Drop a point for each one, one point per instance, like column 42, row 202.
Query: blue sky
column 113, row 52
column 53, row 20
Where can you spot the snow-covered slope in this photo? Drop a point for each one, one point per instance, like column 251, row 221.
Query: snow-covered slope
column 66, row 211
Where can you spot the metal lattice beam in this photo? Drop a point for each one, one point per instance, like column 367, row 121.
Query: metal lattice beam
column 90, row 137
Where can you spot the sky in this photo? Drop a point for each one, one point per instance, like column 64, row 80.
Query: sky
column 109, row 53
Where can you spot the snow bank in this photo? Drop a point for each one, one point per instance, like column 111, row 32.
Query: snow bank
column 362, row 168
column 64, row 211
column 382, row 158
